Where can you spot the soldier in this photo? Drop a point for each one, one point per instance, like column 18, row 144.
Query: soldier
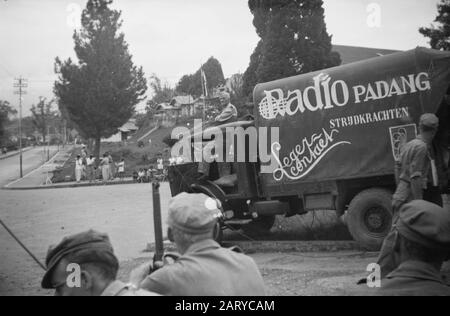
column 228, row 115
column 93, row 253
column 423, row 242
column 204, row 268
column 418, row 176
column 417, row 179
column 229, row 112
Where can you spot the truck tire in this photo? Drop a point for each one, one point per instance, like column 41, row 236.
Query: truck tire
column 261, row 225
column 369, row 217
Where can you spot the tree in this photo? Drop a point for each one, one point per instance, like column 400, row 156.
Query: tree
column 192, row 84
column 42, row 115
column 250, row 79
column 236, row 87
column 100, row 92
column 5, row 111
column 162, row 92
column 294, row 40
column 439, row 34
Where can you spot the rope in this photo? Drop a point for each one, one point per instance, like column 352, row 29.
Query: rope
column 23, row 246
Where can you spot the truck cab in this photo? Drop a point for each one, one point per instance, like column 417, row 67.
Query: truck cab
column 332, row 136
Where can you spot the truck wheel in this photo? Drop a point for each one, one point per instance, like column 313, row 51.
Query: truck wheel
column 261, row 225
column 369, row 217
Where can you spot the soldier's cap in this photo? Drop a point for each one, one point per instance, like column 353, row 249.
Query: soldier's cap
column 87, row 241
column 429, row 120
column 193, row 213
column 425, row 223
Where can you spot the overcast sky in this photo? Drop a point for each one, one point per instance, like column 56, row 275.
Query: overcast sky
column 173, row 37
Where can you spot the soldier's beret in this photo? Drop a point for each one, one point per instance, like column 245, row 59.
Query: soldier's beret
column 429, row 120
column 193, row 213
column 87, row 241
column 426, row 224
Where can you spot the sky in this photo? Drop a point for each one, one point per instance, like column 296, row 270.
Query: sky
column 173, row 37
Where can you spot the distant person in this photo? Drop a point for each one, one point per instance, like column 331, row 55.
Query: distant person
column 112, row 167
column 141, row 175
column 105, row 167
column 204, row 268
column 78, row 168
column 229, row 114
column 94, row 255
column 160, row 164
column 90, row 168
column 121, row 169
column 135, row 176
column 423, row 244
column 417, row 179
column 149, row 174
column 152, row 172
column 84, row 153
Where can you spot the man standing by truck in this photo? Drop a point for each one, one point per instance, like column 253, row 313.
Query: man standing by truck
column 417, row 179
column 418, row 175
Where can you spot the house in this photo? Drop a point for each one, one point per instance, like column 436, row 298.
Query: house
column 167, row 115
column 124, row 133
column 185, row 104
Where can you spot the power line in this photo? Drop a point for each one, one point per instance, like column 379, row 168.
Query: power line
column 20, row 84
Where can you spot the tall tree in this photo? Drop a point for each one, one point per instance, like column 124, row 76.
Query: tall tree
column 162, row 91
column 5, row 111
column 439, row 34
column 100, row 92
column 250, row 79
column 192, row 84
column 42, row 116
column 236, row 87
column 294, row 40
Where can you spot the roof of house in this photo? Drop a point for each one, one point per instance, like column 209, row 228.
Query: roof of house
column 163, row 107
column 181, row 100
column 128, row 127
column 351, row 54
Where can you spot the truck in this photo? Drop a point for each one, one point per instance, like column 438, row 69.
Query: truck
column 326, row 140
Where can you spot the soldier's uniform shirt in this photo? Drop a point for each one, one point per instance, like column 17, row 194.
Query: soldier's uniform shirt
column 228, row 115
column 414, row 278
column 207, row 269
column 118, row 288
column 415, row 162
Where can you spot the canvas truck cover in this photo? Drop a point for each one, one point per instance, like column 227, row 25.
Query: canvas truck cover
column 349, row 121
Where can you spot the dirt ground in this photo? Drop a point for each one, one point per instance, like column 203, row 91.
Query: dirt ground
column 44, row 217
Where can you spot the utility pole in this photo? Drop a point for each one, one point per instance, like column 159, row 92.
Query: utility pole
column 20, row 84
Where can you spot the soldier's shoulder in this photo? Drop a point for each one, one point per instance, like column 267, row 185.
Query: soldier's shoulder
column 416, row 144
column 239, row 255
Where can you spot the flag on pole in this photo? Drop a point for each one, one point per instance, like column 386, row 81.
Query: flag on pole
column 204, row 83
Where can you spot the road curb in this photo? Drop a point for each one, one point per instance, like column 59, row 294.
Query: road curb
column 15, row 154
column 69, row 185
column 6, row 187
column 294, row 246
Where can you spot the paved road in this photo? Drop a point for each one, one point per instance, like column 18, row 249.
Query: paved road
column 43, row 217
column 9, row 167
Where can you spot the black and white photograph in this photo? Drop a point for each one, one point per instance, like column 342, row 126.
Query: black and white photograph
column 224, row 155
